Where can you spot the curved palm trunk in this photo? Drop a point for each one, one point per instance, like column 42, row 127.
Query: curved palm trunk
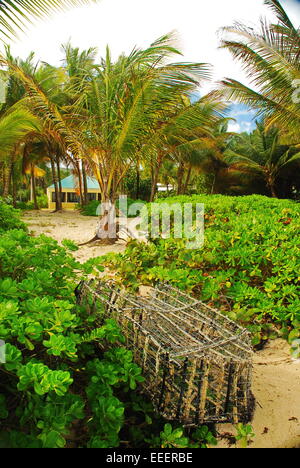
column 33, row 188
column 59, row 182
column 180, row 175
column 58, row 206
column 6, row 179
column 187, row 180
column 79, row 175
column 13, row 183
column 154, row 185
column 110, row 178
column 213, row 186
column 273, row 191
column 271, row 185
column 155, row 176
column 85, row 185
column 138, row 181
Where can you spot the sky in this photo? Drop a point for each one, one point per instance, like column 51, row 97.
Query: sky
column 124, row 24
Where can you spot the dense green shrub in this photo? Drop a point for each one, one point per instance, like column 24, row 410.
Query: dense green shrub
column 248, row 267
column 57, row 388
column 42, row 202
column 9, row 218
column 54, row 375
column 134, row 188
column 91, row 209
column 130, row 202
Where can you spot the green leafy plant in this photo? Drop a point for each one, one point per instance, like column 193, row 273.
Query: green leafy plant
column 244, row 434
column 58, row 387
column 247, row 268
column 172, row 438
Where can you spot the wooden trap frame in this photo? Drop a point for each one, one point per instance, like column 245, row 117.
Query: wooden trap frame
column 197, row 363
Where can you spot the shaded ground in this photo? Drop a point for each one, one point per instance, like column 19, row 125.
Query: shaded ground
column 276, row 378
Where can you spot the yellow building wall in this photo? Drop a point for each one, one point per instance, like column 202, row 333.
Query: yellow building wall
column 66, row 205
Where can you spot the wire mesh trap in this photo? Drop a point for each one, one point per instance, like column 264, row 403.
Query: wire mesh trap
column 197, row 363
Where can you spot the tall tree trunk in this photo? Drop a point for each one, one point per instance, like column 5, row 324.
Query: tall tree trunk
column 271, row 184
column 156, row 170
column 58, row 206
column 187, row 181
column 85, row 184
column 138, row 181
column 273, row 191
column 213, row 184
column 6, row 179
column 33, row 188
column 13, row 183
column 180, row 175
column 79, row 175
column 154, row 184
column 59, row 181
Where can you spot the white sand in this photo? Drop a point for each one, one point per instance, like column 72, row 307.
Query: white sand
column 276, row 383
column 70, row 225
column 276, row 387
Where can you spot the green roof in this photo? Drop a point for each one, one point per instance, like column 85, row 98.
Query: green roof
column 71, row 182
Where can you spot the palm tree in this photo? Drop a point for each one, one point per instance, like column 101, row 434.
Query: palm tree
column 124, row 105
column 79, row 66
column 30, row 167
column 14, row 126
column 271, row 58
column 261, row 156
column 50, row 81
column 14, row 14
column 181, row 130
column 118, row 113
column 204, row 154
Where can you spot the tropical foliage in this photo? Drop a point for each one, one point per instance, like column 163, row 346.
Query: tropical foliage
column 57, row 387
column 248, row 266
column 14, row 14
column 270, row 57
column 261, row 162
column 140, row 114
column 134, row 123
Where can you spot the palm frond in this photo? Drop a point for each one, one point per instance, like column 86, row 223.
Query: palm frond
column 270, row 57
column 15, row 14
column 14, row 126
column 281, row 14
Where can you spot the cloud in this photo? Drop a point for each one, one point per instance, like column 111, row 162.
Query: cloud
column 125, row 24
column 244, row 118
column 241, row 113
column 234, row 127
column 246, row 126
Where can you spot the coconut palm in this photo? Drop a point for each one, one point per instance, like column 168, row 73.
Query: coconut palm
column 126, row 105
column 182, row 130
column 14, row 126
column 270, row 57
column 15, row 14
column 261, row 156
column 49, row 80
column 204, row 154
column 134, row 109
column 30, row 161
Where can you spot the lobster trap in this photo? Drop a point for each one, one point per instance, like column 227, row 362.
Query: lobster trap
column 196, row 362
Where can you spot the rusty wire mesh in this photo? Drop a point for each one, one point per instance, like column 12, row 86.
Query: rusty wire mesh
column 197, row 362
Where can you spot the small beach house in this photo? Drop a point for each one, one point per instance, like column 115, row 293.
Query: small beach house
column 70, row 192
